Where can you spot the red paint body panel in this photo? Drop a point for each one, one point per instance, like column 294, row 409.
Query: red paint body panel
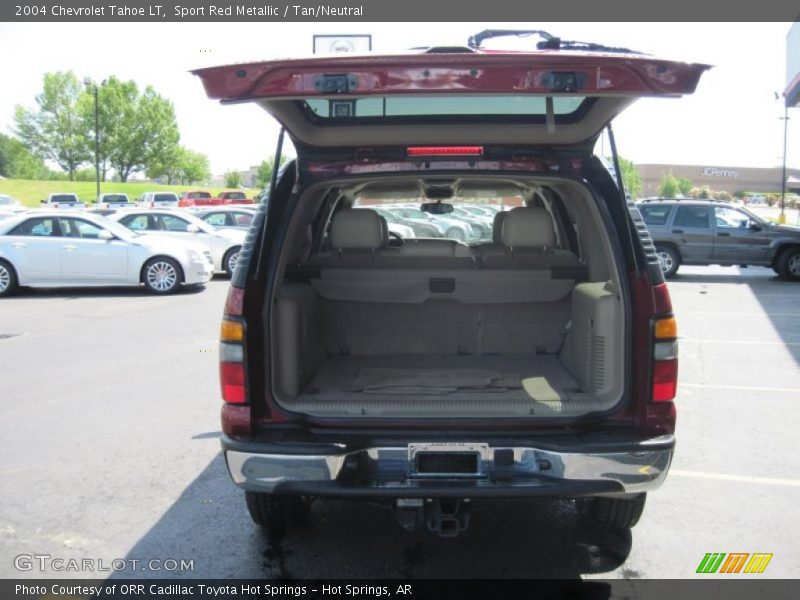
column 502, row 73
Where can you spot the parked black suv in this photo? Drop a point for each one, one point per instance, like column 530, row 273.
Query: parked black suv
column 428, row 373
column 704, row 232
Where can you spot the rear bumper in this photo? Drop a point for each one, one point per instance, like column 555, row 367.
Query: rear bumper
column 501, row 471
column 198, row 272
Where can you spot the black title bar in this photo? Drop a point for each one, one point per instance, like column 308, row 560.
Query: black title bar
column 395, row 10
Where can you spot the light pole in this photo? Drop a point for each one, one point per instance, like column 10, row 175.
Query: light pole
column 785, row 118
column 90, row 84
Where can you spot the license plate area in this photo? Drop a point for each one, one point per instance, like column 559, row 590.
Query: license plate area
column 447, row 460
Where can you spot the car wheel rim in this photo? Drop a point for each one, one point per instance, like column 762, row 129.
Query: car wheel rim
column 233, row 259
column 162, row 276
column 5, row 279
column 794, row 265
column 665, row 261
column 457, row 235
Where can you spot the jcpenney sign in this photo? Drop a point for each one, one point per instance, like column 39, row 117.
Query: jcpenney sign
column 715, row 172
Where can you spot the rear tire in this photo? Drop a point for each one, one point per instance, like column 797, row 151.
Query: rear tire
column 788, row 264
column 668, row 260
column 8, row 278
column 611, row 513
column 277, row 513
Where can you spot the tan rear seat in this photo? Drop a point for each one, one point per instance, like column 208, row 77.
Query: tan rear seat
column 359, row 239
column 529, row 242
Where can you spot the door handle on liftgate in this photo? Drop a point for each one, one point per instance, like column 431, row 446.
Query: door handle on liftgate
column 723, row 234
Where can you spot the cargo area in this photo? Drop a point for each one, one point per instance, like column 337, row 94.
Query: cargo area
column 528, row 323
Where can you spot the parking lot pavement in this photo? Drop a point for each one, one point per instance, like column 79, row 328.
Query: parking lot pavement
column 109, row 415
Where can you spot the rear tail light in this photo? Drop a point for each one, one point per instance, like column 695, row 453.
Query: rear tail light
column 231, row 349
column 232, row 381
column 665, row 359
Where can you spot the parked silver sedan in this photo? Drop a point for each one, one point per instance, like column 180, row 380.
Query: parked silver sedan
column 235, row 217
column 223, row 244
column 77, row 249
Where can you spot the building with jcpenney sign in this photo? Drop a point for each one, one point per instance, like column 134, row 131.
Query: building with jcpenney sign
column 721, row 178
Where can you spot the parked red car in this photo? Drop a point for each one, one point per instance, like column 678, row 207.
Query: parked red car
column 198, row 198
column 234, row 197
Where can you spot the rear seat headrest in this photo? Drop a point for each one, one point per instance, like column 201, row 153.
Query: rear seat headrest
column 358, row 229
column 497, row 227
column 528, row 228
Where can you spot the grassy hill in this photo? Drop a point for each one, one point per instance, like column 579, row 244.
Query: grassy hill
column 31, row 192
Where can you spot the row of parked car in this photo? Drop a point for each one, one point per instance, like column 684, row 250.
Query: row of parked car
column 156, row 242
column 160, row 248
column 467, row 223
column 147, row 199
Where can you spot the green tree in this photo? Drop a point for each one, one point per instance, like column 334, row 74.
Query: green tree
column 140, row 129
column 85, row 174
column 668, row 188
column 685, row 185
column 167, row 163
column 233, row 179
column 16, row 161
column 264, row 172
column 701, row 192
column 55, row 130
column 630, row 177
column 194, row 167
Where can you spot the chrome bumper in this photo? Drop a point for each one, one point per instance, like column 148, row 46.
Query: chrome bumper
column 392, row 471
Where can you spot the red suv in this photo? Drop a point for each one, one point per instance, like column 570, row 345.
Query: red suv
column 428, row 372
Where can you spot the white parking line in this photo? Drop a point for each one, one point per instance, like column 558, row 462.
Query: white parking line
column 736, row 314
column 744, row 388
column 751, row 294
column 738, row 478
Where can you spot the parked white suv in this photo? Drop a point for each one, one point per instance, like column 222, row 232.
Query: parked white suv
column 158, row 200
